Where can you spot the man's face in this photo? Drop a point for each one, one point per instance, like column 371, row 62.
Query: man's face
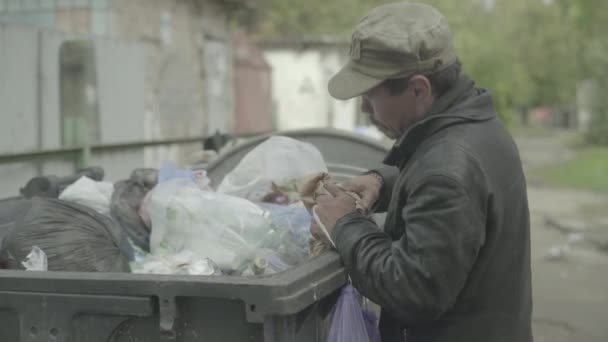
column 393, row 114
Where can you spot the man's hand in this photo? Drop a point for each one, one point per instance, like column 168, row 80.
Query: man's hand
column 329, row 210
column 367, row 187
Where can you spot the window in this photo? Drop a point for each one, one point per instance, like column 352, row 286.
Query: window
column 78, row 93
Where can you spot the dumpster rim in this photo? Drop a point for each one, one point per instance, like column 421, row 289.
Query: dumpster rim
column 284, row 293
column 295, row 134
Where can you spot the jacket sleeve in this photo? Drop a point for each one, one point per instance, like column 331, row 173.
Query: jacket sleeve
column 418, row 277
column 389, row 176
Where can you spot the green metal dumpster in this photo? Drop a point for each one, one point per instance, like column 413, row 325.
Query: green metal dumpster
column 96, row 307
column 114, row 307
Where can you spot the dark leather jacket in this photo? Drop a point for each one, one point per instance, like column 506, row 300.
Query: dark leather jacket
column 453, row 261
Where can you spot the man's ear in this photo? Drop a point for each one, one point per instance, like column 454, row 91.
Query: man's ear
column 422, row 88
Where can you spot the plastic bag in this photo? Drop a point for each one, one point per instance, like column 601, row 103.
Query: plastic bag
column 51, row 185
column 125, row 210
column 351, row 323
column 283, row 192
column 147, row 177
column 169, row 171
column 184, row 262
column 126, row 202
column 11, row 209
column 36, row 260
column 276, row 159
column 143, row 211
column 74, row 238
column 292, row 224
column 90, row 193
column 223, row 228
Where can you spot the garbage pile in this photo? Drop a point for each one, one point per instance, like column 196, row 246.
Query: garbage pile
column 170, row 221
column 71, row 237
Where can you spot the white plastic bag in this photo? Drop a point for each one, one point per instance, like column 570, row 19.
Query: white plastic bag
column 92, row 194
column 36, row 260
column 223, row 228
column 276, row 159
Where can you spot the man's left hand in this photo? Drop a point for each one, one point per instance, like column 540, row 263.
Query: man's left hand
column 329, row 210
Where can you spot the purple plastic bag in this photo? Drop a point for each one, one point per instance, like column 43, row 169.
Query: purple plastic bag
column 350, row 322
column 371, row 324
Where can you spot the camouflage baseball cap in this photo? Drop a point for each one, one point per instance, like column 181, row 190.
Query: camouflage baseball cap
column 394, row 41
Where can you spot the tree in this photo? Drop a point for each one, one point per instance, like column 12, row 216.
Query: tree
column 589, row 17
column 527, row 52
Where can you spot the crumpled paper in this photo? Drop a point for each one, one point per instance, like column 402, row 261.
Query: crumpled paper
column 311, row 188
column 322, row 184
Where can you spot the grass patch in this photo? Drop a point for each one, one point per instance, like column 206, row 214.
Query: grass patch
column 574, row 140
column 588, row 170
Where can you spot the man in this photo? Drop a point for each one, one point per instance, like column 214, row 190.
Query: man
column 453, row 261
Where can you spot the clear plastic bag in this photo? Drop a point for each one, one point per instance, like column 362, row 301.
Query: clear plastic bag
column 169, row 171
column 277, row 159
column 351, row 323
column 223, row 228
column 292, row 228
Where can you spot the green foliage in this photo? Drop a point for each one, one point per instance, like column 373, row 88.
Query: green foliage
column 527, row 52
column 598, row 130
column 587, row 171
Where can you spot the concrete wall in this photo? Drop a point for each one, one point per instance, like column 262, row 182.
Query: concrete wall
column 18, row 89
column 31, row 108
column 252, row 87
column 74, row 16
column 299, row 83
column 154, row 71
column 18, row 131
column 175, row 35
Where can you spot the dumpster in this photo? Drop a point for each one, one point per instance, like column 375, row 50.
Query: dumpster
column 346, row 155
column 96, row 307
column 115, row 307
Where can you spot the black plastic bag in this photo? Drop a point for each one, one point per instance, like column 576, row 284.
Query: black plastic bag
column 11, row 208
column 52, row 186
column 73, row 237
column 125, row 203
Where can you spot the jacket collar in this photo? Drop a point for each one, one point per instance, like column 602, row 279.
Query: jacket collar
column 462, row 103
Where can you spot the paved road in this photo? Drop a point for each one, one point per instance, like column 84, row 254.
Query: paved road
column 570, row 292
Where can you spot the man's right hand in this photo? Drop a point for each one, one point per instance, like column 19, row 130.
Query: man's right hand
column 367, row 187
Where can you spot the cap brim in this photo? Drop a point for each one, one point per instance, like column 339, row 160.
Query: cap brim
column 349, row 83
